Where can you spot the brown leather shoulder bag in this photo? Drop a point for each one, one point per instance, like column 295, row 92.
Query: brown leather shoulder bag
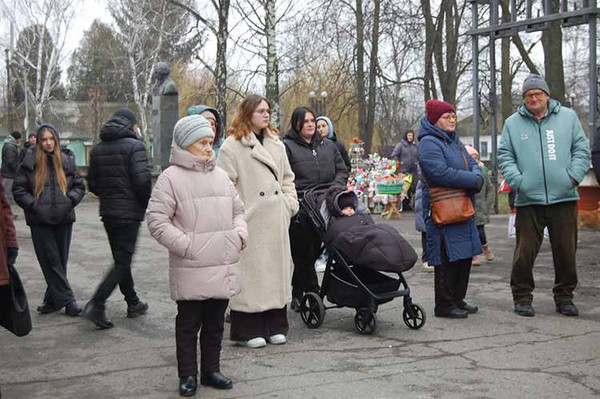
column 450, row 205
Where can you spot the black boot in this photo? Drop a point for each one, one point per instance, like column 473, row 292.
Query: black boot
column 295, row 305
column 73, row 309
column 216, row 379
column 97, row 315
column 188, row 385
column 136, row 310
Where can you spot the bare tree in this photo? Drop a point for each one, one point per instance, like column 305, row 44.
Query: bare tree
column 553, row 59
column 220, row 29
column 263, row 17
column 45, row 24
column 367, row 96
column 151, row 31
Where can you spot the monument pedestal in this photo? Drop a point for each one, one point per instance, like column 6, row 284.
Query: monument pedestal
column 165, row 114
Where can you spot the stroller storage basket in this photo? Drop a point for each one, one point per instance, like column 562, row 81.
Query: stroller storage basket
column 344, row 292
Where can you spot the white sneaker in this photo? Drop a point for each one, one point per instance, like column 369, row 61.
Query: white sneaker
column 427, row 268
column 277, row 339
column 258, row 342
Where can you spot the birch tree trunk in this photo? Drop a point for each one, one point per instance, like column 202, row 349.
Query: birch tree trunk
column 272, row 61
column 221, row 68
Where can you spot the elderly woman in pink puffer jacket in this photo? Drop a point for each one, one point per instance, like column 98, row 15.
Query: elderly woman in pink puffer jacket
column 196, row 213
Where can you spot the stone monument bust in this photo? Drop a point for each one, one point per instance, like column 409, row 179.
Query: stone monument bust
column 161, row 74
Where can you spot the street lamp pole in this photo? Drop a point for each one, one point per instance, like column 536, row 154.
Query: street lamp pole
column 323, row 103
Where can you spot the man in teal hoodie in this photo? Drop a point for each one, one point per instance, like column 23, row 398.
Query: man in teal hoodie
column 544, row 154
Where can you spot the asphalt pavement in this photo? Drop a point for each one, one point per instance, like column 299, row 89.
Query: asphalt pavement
column 492, row 354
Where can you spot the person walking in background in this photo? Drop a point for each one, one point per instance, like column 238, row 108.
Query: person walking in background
column 444, row 162
column 544, row 154
column 484, row 201
column 420, row 226
column 197, row 214
column 325, row 129
column 406, row 153
column 48, row 187
column 10, row 162
column 119, row 175
column 31, row 142
column 314, row 161
column 255, row 160
column 214, row 118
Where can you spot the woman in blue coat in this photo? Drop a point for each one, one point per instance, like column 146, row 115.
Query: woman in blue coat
column 451, row 247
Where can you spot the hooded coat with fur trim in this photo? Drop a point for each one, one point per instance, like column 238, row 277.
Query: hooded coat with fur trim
column 364, row 243
column 196, row 213
column 262, row 176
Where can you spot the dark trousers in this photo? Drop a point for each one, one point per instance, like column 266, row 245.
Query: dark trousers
column 122, row 236
column 246, row 326
column 482, row 236
column 207, row 317
column 451, row 282
column 51, row 244
column 306, row 248
column 423, row 246
column 561, row 220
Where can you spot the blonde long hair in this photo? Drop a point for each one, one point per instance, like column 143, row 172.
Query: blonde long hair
column 242, row 125
column 41, row 165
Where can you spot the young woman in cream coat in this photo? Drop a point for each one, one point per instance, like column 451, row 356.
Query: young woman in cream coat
column 257, row 164
column 196, row 213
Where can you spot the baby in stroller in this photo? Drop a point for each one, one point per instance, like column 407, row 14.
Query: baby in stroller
column 352, row 231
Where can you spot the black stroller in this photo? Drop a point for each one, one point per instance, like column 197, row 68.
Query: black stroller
column 346, row 285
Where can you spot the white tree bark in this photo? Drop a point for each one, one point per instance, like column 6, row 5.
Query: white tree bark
column 53, row 17
column 272, row 61
column 144, row 44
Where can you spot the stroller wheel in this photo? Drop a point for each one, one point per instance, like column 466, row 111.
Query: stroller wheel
column 312, row 310
column 365, row 321
column 414, row 316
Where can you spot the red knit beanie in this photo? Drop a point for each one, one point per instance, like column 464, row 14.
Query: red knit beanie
column 436, row 108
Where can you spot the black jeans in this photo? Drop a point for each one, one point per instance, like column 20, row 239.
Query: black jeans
column 306, row 248
column 51, row 244
column 246, row 326
column 451, row 282
column 207, row 317
column 122, row 236
column 482, row 236
column 561, row 220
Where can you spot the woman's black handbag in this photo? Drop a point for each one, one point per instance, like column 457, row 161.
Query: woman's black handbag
column 14, row 310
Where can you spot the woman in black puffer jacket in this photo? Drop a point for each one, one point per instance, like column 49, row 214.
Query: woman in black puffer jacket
column 48, row 187
column 314, row 161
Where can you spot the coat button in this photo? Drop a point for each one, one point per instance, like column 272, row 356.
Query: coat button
column 262, row 194
column 276, row 192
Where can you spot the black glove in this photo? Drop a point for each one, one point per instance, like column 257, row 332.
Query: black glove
column 478, row 184
column 11, row 255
